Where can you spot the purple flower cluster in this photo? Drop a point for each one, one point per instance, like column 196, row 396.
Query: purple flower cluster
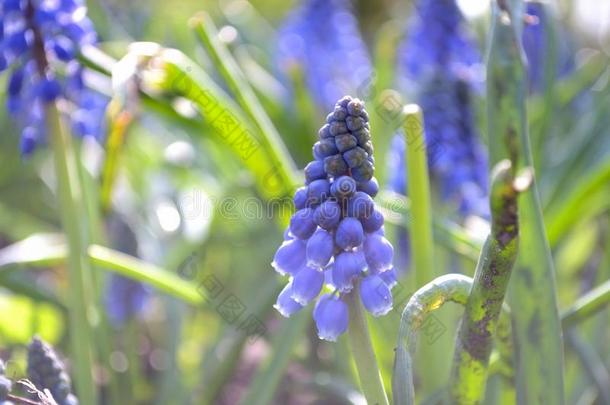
column 535, row 43
column 336, row 235
column 46, row 371
column 439, row 62
column 459, row 164
column 437, row 40
column 322, row 37
column 124, row 298
column 37, row 36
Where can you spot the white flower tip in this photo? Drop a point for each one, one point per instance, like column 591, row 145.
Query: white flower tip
column 281, row 311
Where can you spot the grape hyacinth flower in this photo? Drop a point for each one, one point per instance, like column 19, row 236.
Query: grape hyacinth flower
column 336, row 235
column 440, row 64
column 38, row 37
column 124, row 298
column 46, row 371
column 437, row 40
column 322, row 37
column 536, row 46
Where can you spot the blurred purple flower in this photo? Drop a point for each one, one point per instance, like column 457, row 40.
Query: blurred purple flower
column 536, row 45
column 37, row 36
column 322, row 37
column 440, row 64
column 124, row 298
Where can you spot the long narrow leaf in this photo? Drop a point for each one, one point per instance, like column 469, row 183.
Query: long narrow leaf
column 539, row 355
column 50, row 249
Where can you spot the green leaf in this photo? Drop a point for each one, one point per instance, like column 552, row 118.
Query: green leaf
column 50, row 249
column 537, row 329
column 586, row 200
column 587, row 305
column 180, row 75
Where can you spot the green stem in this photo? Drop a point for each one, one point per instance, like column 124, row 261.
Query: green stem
column 448, row 288
column 422, row 243
column 419, row 191
column 80, row 294
column 478, row 326
column 362, row 352
column 103, row 341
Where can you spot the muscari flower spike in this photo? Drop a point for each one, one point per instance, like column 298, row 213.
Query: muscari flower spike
column 322, row 37
column 440, row 63
column 536, row 44
column 336, row 235
column 124, row 298
column 46, row 371
column 36, row 38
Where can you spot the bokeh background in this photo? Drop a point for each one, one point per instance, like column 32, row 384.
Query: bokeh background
column 182, row 201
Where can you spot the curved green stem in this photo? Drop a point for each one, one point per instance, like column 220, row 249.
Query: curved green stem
column 80, row 294
column 448, row 288
column 451, row 287
column 362, row 352
column 478, row 326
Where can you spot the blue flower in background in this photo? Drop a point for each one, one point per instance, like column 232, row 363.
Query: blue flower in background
column 535, row 44
column 439, row 63
column 124, row 298
column 437, row 41
column 323, row 39
column 336, row 235
column 397, row 183
column 36, row 37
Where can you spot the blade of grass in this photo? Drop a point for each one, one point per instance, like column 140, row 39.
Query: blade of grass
column 562, row 218
column 422, row 246
column 81, row 306
column 419, row 191
column 139, row 270
column 207, row 33
column 587, row 305
column 180, row 75
column 20, row 254
column 539, row 355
